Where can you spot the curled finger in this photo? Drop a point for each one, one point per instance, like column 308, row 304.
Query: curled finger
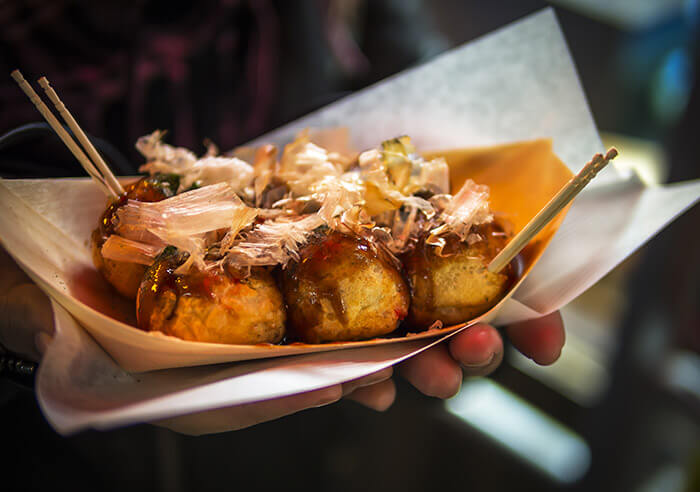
column 434, row 372
column 478, row 349
column 540, row 339
column 379, row 396
column 368, row 380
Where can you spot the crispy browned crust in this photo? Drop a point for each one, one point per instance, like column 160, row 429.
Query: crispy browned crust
column 456, row 287
column 216, row 307
column 343, row 290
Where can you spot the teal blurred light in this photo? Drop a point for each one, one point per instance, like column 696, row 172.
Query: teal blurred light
column 671, row 85
column 530, row 434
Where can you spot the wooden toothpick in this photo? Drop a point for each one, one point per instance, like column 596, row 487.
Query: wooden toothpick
column 555, row 205
column 62, row 133
column 82, row 137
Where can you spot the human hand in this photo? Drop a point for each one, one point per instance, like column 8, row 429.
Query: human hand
column 26, row 318
column 478, row 351
column 376, row 391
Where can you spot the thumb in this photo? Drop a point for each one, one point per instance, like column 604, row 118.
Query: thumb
column 25, row 314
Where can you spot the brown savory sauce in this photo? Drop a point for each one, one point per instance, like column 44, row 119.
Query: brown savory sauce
column 124, row 276
column 322, row 283
column 162, row 287
column 148, row 189
column 418, row 263
column 162, row 281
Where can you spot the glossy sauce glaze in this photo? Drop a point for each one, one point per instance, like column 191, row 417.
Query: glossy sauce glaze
column 326, row 261
column 162, row 288
column 428, row 293
column 148, row 189
column 124, row 276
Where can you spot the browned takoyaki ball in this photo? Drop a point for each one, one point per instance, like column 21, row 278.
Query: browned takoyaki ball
column 456, row 287
column 218, row 306
column 343, row 290
column 125, row 277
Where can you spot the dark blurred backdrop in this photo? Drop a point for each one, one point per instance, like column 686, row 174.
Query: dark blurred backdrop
column 620, row 411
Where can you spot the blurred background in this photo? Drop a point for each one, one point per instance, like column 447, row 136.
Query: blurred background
column 619, row 411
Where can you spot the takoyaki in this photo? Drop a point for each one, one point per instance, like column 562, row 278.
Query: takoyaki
column 321, row 262
column 343, row 289
column 454, row 285
column 218, row 306
column 126, row 276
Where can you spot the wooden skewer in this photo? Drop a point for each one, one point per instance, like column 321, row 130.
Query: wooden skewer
column 555, row 205
column 62, row 133
column 82, row 138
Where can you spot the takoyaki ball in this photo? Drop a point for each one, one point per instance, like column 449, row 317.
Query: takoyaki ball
column 226, row 306
column 125, row 277
column 343, row 290
column 457, row 287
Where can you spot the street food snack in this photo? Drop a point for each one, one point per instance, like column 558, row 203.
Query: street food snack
column 320, row 245
column 125, row 274
column 456, row 286
column 343, row 289
column 218, row 306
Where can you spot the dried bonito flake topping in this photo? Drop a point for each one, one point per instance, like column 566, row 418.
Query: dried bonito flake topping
column 117, row 248
column 460, row 213
column 207, row 170
column 274, row 242
column 261, row 212
column 190, row 221
column 304, row 164
column 162, row 155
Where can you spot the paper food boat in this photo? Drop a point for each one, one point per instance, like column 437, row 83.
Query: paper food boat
column 517, row 84
column 46, row 225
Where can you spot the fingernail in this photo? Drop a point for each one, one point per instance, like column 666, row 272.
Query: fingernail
column 480, row 364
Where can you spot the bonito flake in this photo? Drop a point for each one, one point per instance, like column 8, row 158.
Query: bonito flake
column 187, row 221
column 389, row 195
column 194, row 172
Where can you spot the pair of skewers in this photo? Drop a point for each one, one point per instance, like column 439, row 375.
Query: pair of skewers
column 103, row 176
column 97, row 168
